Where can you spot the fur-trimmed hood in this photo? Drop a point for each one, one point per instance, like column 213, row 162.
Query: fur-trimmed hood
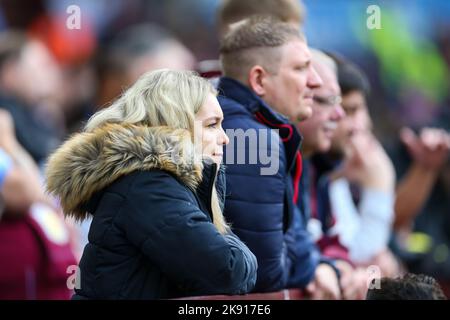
column 90, row 161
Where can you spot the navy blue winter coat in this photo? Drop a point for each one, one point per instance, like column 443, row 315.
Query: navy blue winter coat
column 260, row 207
column 152, row 234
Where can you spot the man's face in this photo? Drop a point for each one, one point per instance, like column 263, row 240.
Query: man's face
column 356, row 119
column 319, row 129
column 39, row 74
column 169, row 55
column 290, row 90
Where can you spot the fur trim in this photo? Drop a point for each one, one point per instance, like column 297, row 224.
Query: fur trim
column 90, row 161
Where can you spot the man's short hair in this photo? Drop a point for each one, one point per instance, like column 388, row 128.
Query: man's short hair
column 128, row 45
column 12, row 43
column 409, row 287
column 231, row 11
column 255, row 41
column 323, row 58
column 350, row 76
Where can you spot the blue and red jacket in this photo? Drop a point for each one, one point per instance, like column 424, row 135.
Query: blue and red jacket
column 259, row 207
column 314, row 201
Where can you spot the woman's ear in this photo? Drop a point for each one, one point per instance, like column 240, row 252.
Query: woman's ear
column 256, row 80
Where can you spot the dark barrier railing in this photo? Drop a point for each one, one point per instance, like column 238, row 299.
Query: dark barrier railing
column 287, row 294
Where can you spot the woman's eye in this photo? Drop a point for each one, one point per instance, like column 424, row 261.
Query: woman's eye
column 212, row 125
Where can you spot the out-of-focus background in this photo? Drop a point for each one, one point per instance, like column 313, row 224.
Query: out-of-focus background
column 52, row 84
column 407, row 60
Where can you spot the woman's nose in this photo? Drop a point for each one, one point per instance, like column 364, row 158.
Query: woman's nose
column 223, row 138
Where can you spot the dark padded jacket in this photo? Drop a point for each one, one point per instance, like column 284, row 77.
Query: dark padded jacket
column 152, row 234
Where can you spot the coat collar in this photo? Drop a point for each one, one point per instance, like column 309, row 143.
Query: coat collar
column 90, row 161
column 235, row 90
column 264, row 114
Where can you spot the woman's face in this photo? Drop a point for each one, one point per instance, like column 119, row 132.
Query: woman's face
column 208, row 129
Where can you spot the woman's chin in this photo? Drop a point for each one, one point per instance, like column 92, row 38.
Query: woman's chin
column 217, row 159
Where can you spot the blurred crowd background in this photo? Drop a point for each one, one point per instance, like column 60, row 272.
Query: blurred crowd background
column 50, row 85
column 407, row 60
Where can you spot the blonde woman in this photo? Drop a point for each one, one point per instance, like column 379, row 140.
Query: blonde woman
column 157, row 228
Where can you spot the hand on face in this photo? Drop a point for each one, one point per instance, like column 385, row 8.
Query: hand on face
column 368, row 164
column 430, row 149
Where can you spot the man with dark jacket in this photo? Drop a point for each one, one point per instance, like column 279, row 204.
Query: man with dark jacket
column 267, row 85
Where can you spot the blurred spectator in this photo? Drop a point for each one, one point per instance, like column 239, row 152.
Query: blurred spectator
column 361, row 190
column 18, row 14
column 73, row 50
column 231, row 11
column 370, row 175
column 429, row 152
column 423, row 220
column 19, row 177
column 29, row 79
column 409, row 287
column 77, row 94
column 134, row 51
column 34, row 242
column 317, row 134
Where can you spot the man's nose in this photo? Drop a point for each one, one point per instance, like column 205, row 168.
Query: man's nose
column 338, row 112
column 314, row 80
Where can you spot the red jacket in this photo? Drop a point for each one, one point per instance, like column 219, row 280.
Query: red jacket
column 35, row 254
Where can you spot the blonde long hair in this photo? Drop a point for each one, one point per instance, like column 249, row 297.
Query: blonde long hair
column 163, row 98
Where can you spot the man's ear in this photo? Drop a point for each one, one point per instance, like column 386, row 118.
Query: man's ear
column 256, row 80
